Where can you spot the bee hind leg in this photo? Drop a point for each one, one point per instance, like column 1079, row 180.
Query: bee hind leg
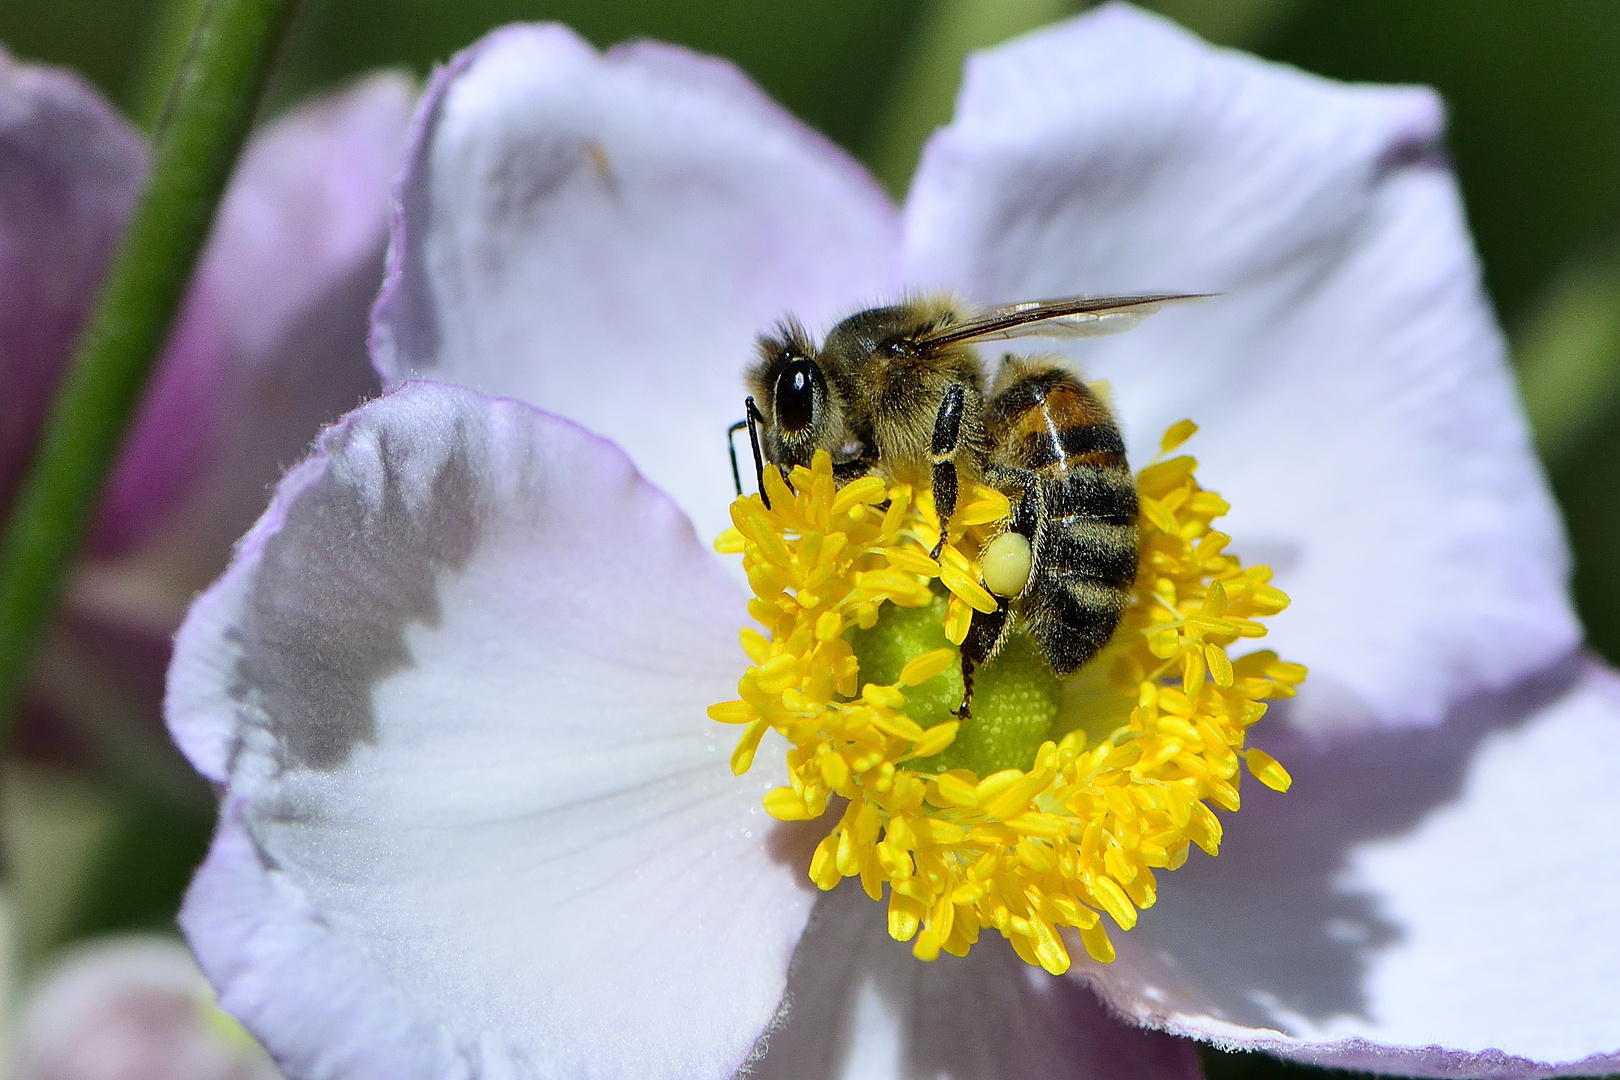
column 987, row 633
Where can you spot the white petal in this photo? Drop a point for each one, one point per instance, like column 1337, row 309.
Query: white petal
column 1357, row 410
column 604, row 236
column 477, row 822
column 861, row 1007
column 1436, row 902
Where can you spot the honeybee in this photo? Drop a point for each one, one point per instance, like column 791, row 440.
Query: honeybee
column 899, row 391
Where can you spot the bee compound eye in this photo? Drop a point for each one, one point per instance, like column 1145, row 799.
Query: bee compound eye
column 795, row 397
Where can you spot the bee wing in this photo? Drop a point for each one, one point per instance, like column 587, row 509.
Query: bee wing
column 1070, row 317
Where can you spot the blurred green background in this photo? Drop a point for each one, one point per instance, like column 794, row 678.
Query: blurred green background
column 1534, row 93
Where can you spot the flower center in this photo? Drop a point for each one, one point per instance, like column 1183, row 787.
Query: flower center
column 1041, row 803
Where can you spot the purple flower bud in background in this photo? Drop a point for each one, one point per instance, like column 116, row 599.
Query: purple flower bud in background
column 268, row 346
column 131, row 1008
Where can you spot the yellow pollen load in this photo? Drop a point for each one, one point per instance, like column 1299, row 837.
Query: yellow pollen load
column 1148, row 736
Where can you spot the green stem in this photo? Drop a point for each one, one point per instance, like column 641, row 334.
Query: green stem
column 167, row 45
column 232, row 52
column 1568, row 354
column 925, row 86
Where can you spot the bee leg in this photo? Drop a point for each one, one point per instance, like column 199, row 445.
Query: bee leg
column 1030, row 511
column 854, row 469
column 947, row 435
column 986, row 634
column 753, row 418
column 731, row 446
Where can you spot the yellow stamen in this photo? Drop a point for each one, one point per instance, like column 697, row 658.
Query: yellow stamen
column 1115, row 767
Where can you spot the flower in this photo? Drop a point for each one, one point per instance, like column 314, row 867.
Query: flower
column 133, row 1008
column 268, row 347
column 1048, row 802
column 451, row 686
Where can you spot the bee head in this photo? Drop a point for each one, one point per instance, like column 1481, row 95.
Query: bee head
column 801, row 413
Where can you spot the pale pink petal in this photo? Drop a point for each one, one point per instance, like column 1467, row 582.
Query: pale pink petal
column 306, row 209
column 476, row 822
column 1355, row 403
column 1434, row 902
column 859, row 1006
column 604, row 235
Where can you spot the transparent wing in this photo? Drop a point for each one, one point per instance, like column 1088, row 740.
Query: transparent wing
column 1069, row 317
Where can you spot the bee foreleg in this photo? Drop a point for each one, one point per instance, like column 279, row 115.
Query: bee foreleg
column 731, row 446
column 753, row 418
column 947, row 436
column 845, row 471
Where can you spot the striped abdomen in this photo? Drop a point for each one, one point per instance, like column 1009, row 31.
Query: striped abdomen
column 1057, row 446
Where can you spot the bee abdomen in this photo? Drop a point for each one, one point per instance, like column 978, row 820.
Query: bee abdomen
column 1097, row 494
column 1049, row 421
column 1100, row 550
column 1066, row 447
column 1055, row 433
column 1072, row 614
